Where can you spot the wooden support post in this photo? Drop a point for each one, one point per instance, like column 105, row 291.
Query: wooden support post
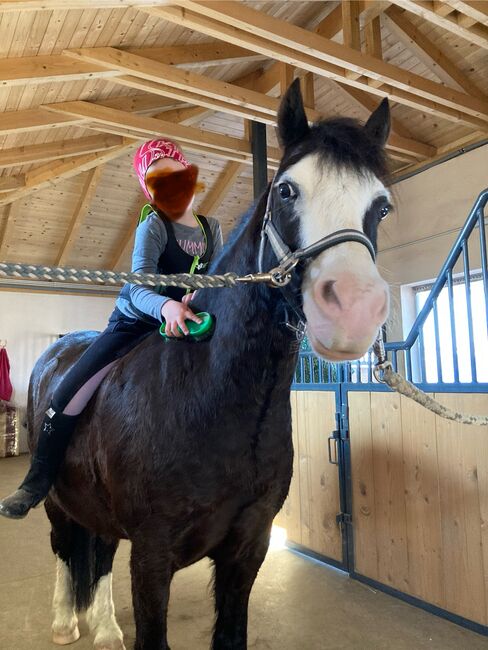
column 286, row 77
column 350, row 28
column 308, row 90
column 216, row 194
column 82, row 207
column 259, row 158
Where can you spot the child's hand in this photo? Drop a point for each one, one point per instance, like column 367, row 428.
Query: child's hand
column 175, row 314
column 188, row 297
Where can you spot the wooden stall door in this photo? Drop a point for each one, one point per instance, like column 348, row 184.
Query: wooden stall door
column 420, row 499
column 309, row 512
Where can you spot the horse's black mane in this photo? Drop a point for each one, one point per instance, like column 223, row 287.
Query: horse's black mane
column 344, row 142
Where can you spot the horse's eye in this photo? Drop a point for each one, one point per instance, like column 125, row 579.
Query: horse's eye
column 286, row 191
column 384, row 211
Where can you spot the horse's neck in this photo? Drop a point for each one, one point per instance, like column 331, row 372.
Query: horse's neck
column 250, row 330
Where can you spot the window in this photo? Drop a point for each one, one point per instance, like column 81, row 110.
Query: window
column 461, row 342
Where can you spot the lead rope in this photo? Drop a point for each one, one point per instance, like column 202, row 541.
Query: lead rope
column 277, row 277
column 384, row 373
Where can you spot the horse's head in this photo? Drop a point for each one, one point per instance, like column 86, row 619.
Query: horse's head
column 331, row 178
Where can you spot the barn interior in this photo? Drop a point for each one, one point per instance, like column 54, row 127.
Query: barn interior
column 83, row 84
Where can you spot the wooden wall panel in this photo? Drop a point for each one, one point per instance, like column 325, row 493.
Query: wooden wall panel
column 459, row 448
column 290, row 515
column 391, row 524
column 425, row 480
column 309, row 513
column 422, row 502
column 363, row 488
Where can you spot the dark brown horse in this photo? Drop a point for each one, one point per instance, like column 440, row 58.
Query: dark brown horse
column 186, row 448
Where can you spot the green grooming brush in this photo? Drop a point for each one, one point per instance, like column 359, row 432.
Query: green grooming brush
column 198, row 331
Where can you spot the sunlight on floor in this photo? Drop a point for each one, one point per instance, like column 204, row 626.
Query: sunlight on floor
column 278, row 538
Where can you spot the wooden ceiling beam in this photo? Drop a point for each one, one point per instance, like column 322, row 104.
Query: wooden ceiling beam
column 50, row 5
column 149, row 126
column 183, row 80
column 300, row 57
column 19, row 71
column 205, row 54
column 476, row 9
column 33, row 153
column 274, row 31
column 83, row 205
column 476, row 34
column 193, row 97
column 34, row 119
column 51, row 173
column 427, row 52
column 10, row 183
column 220, row 188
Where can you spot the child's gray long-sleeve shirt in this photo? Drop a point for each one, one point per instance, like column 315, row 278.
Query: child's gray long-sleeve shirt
column 150, row 242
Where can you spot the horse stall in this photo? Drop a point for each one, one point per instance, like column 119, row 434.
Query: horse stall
column 342, row 514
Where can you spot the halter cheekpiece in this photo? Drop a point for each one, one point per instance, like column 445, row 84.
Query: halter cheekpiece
column 288, row 260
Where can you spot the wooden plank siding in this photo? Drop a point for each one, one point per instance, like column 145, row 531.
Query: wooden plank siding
column 420, row 500
column 309, row 513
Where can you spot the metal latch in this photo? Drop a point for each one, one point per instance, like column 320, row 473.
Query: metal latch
column 343, row 518
column 333, row 460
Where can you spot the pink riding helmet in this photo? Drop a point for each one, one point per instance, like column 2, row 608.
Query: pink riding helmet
column 151, row 151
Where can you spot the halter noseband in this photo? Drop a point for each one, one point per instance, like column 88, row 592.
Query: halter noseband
column 288, row 259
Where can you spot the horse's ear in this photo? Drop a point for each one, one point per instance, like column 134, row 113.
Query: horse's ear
column 378, row 125
column 292, row 121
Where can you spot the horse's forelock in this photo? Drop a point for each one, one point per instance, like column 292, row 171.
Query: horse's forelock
column 344, row 143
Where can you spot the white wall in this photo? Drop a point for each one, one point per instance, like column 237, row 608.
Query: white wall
column 30, row 322
column 430, row 209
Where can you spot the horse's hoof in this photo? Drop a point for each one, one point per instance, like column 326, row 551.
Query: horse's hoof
column 116, row 644
column 61, row 638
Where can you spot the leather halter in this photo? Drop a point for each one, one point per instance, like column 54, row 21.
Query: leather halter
column 288, row 259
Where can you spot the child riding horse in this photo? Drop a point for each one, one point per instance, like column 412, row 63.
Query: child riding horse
column 174, row 241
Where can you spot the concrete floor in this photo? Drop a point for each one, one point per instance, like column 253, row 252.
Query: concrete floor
column 296, row 604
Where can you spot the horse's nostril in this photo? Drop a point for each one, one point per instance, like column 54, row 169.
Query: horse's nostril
column 329, row 294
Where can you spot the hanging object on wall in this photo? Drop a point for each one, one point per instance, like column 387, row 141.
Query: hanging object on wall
column 5, row 383
column 9, row 430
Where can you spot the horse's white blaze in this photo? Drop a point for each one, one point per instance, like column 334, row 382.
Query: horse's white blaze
column 65, row 624
column 101, row 617
column 331, row 199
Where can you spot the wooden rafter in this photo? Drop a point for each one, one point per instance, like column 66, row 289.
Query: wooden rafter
column 112, row 120
column 475, row 9
column 87, row 193
column 329, row 27
column 33, row 153
column 46, row 175
column 19, row 71
column 10, row 183
column 313, row 53
column 190, row 85
column 208, row 54
column 218, row 191
column 476, row 34
column 35, row 5
column 425, row 50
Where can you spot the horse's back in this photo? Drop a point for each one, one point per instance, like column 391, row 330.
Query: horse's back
column 49, row 370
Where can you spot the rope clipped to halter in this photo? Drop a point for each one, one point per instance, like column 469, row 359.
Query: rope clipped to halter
column 276, row 277
column 384, row 373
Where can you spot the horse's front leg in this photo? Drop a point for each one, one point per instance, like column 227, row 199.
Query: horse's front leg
column 237, row 562
column 151, row 574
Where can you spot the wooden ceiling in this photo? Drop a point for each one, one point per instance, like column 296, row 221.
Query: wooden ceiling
column 83, row 82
